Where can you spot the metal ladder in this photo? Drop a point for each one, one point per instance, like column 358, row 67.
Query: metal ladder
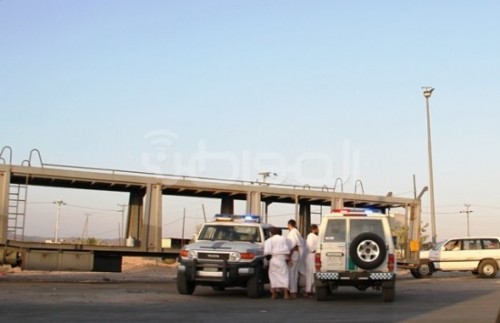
column 18, row 195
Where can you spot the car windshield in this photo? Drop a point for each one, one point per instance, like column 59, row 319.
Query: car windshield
column 230, row 233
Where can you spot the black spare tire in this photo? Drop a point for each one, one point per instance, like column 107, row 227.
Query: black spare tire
column 368, row 250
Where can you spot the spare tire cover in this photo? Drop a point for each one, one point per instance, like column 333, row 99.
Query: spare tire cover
column 368, row 250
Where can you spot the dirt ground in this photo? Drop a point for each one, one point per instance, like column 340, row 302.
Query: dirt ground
column 133, row 269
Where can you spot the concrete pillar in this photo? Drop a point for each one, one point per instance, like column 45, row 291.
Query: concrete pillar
column 253, row 203
column 134, row 217
column 304, row 218
column 337, row 203
column 151, row 238
column 227, row 205
column 4, row 205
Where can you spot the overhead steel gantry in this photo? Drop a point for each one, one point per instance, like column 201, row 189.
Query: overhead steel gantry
column 144, row 218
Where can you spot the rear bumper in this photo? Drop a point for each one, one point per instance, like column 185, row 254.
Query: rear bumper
column 353, row 278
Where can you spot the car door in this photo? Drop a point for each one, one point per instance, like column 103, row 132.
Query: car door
column 451, row 256
column 334, row 246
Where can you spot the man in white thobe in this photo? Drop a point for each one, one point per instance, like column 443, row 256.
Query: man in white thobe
column 311, row 244
column 296, row 257
column 278, row 249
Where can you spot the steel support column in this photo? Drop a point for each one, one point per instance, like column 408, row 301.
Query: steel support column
column 4, row 205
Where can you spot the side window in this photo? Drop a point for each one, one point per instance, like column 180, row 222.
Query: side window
column 267, row 235
column 491, row 244
column 472, row 244
column 453, row 245
column 335, row 231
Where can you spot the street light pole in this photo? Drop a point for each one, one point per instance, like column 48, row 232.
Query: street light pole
column 467, row 211
column 427, row 94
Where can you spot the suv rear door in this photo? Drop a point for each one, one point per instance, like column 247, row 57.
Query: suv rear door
column 334, row 245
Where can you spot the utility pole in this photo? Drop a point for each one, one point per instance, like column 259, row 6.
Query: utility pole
column 122, row 232
column 85, row 233
column 183, row 225
column 467, row 211
column 59, row 203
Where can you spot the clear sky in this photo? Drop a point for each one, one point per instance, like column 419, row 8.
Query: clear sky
column 310, row 90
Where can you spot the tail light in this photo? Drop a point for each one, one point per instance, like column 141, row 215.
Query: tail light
column 391, row 262
column 317, row 261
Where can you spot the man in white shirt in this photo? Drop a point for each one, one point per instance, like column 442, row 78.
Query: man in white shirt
column 277, row 248
column 296, row 257
column 311, row 243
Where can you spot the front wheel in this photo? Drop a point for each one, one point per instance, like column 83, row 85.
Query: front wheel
column 255, row 286
column 425, row 270
column 184, row 286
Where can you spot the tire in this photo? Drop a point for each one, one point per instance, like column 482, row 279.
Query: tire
column 184, row 286
column 255, row 285
column 389, row 291
column 415, row 273
column 487, row 269
column 388, row 294
column 368, row 250
column 322, row 293
column 425, row 270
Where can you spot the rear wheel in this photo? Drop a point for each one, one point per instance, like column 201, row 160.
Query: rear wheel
column 388, row 294
column 415, row 273
column 488, row 269
column 322, row 293
column 184, row 286
column 389, row 291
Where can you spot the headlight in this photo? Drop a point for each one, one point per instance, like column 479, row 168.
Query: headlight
column 192, row 255
column 234, row 256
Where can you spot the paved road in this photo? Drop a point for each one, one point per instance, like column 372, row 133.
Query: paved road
column 93, row 297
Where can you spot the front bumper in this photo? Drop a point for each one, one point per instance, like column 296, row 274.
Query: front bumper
column 217, row 271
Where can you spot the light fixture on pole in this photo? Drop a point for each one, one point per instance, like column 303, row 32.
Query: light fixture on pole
column 59, row 203
column 427, row 94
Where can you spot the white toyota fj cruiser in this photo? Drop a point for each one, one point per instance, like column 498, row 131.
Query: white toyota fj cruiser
column 228, row 252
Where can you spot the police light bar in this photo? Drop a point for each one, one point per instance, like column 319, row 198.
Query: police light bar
column 353, row 211
column 238, row 218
